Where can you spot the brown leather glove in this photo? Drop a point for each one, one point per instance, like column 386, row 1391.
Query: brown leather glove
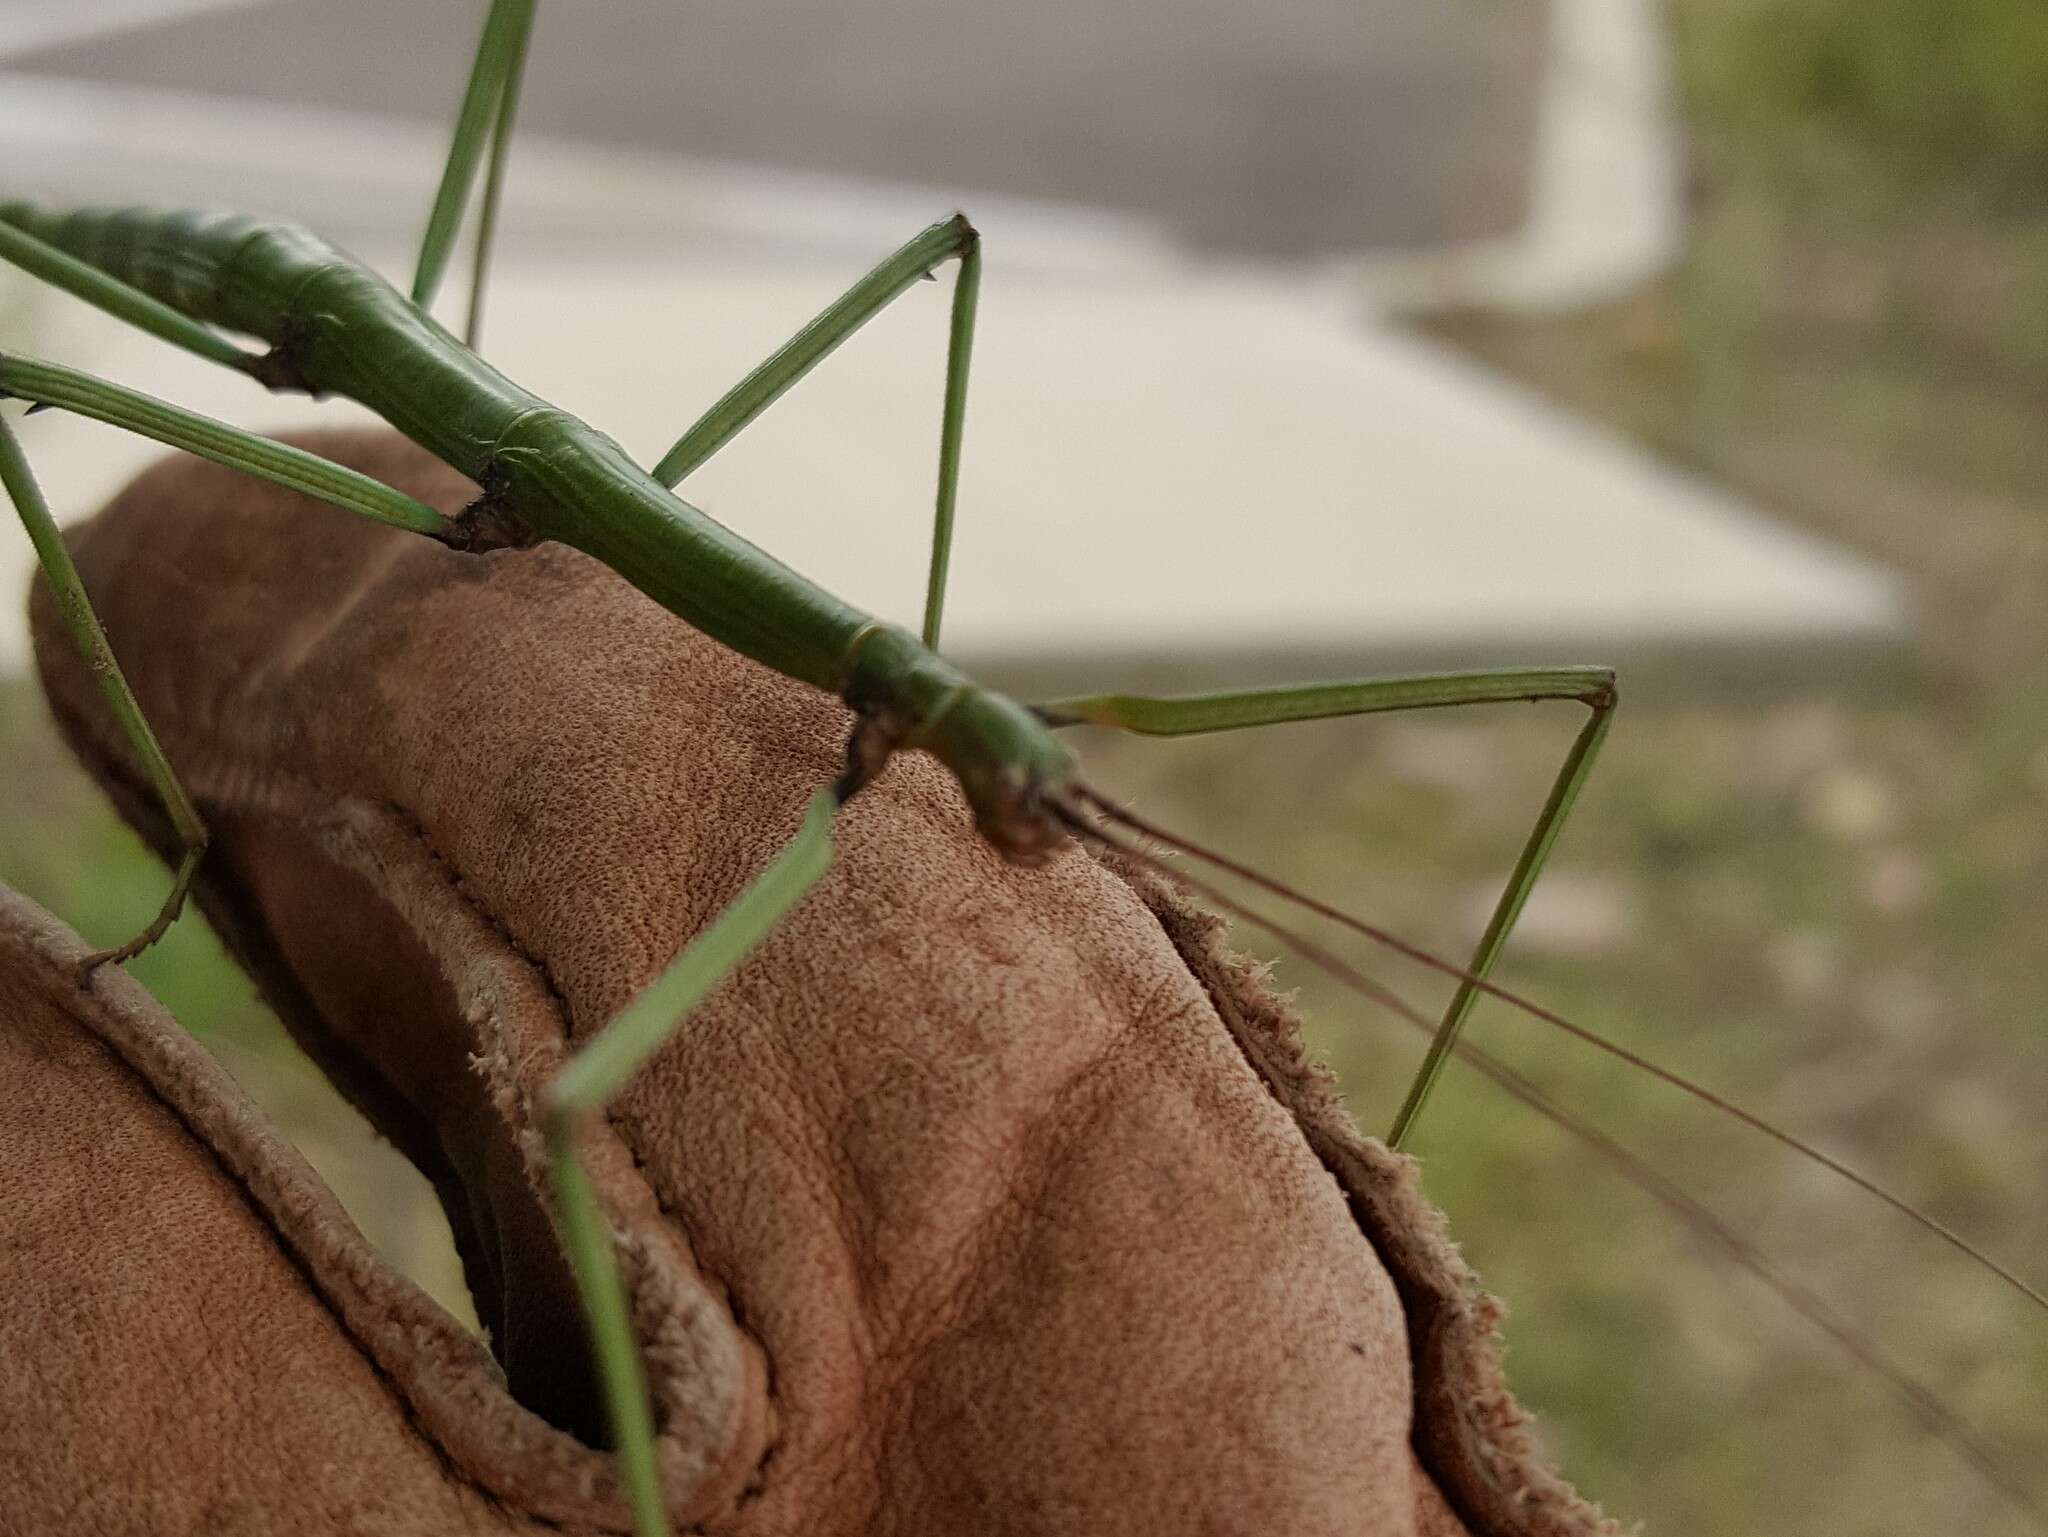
column 980, row 1199
column 195, row 1337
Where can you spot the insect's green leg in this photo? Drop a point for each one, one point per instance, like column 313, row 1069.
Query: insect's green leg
column 84, row 625
column 494, row 186
column 1590, row 686
column 83, row 280
column 487, row 107
column 1564, row 790
column 51, row 384
column 959, row 348
column 596, row 1074
column 950, row 239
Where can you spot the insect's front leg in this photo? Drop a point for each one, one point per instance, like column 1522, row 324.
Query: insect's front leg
column 596, row 1074
column 951, row 239
column 1201, row 713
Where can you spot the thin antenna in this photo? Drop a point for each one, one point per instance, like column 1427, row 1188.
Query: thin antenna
column 1577, row 1031
column 1925, row 1404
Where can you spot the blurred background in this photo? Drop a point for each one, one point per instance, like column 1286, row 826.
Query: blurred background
column 1709, row 338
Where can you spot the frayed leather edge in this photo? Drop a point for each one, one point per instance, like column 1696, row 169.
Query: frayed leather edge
column 283, row 1192
column 457, row 1399
column 1470, row 1434
column 713, row 1445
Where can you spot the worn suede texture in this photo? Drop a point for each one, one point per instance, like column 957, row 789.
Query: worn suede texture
column 979, row 1199
column 172, row 1367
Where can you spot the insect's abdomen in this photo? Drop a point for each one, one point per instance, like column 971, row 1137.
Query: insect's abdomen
column 980, row 1199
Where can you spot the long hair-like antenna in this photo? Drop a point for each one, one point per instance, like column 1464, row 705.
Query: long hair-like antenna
column 1938, row 1418
column 1570, row 1027
column 1923, row 1402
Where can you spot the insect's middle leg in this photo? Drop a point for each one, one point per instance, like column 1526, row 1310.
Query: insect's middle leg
column 1197, row 714
column 950, row 240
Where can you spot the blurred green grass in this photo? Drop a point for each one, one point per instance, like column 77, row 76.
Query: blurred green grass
column 1836, row 898
column 1827, row 901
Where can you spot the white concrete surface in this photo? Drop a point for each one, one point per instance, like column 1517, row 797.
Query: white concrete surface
column 1605, row 210
column 1166, row 462
column 1202, row 467
column 1292, row 129
column 26, row 25
column 1603, row 196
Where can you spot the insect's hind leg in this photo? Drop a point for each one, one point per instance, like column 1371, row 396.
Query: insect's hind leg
column 951, row 239
column 1196, row 714
column 596, row 1074
column 489, row 104
column 51, row 384
column 84, row 624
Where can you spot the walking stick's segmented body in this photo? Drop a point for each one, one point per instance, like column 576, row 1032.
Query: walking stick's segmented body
column 331, row 325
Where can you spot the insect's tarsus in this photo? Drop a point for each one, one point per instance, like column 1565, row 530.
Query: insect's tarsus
column 174, row 904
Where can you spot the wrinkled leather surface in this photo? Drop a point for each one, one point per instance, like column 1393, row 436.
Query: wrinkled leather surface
column 168, row 1368
column 979, row 1199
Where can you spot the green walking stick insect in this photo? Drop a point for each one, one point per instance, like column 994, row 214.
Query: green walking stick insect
column 330, row 325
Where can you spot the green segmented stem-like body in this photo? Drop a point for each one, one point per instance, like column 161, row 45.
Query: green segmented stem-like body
column 336, row 326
